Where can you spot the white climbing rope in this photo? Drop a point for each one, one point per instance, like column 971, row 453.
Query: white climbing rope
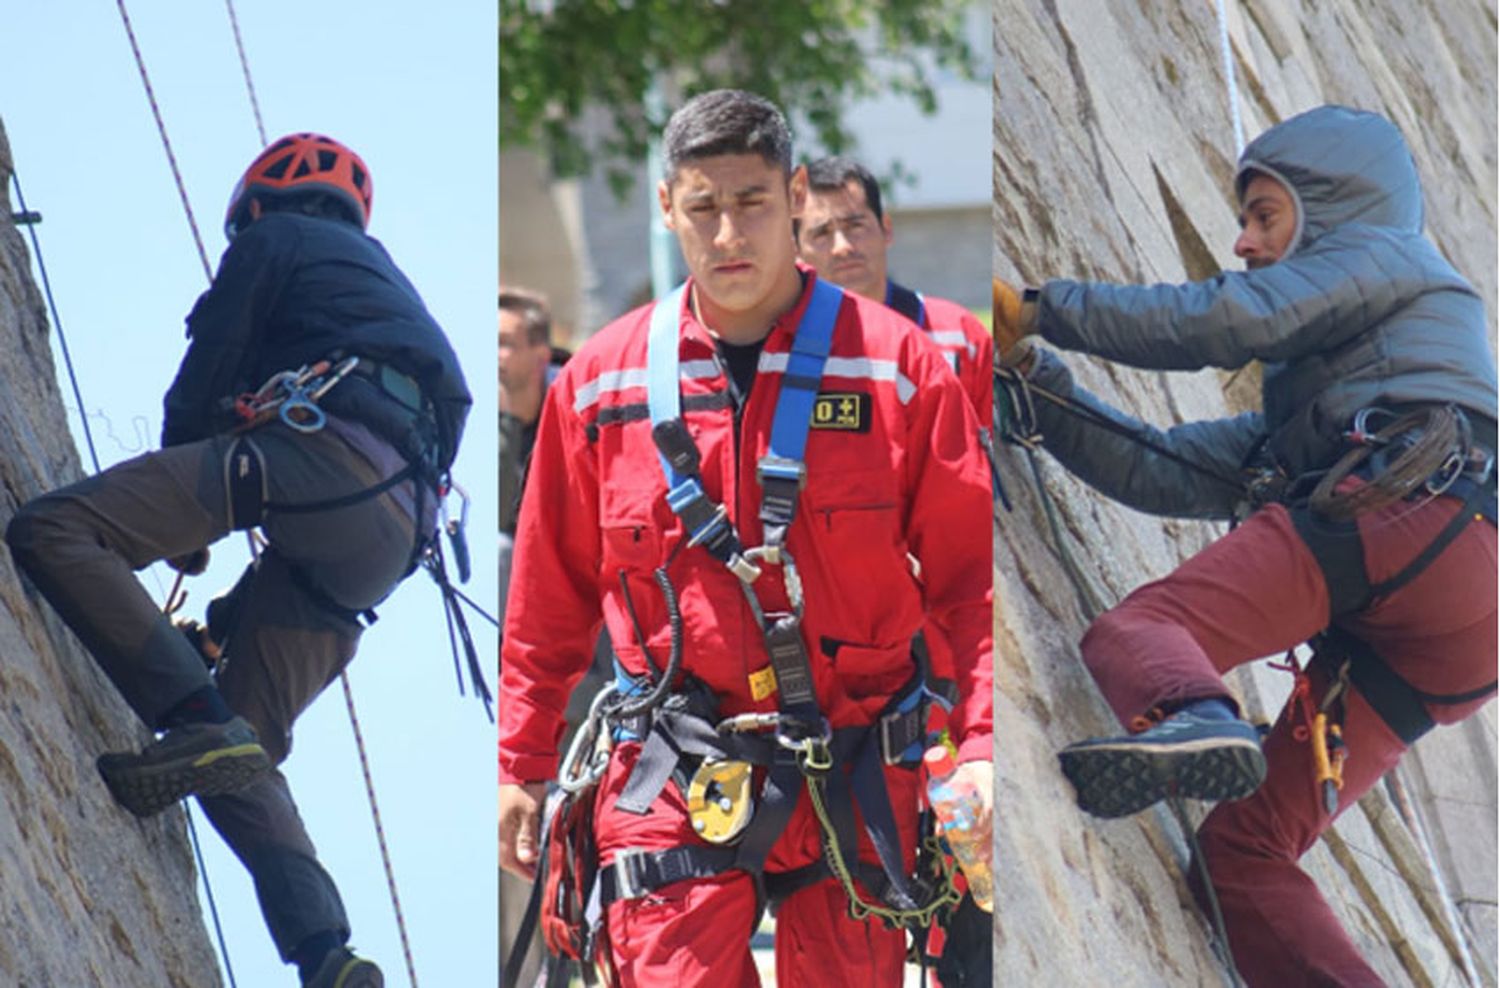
column 1229, row 79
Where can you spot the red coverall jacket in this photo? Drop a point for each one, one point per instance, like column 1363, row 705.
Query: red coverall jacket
column 900, row 478
column 969, row 348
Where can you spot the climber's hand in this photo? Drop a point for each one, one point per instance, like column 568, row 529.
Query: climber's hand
column 982, row 775
column 520, row 821
column 190, row 563
column 1013, row 318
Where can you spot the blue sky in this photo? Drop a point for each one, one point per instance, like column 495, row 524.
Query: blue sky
column 414, row 94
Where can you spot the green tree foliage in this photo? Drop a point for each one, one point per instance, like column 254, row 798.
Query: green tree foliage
column 812, row 57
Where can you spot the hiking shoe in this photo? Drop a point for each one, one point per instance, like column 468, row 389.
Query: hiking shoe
column 342, row 969
column 1202, row 751
column 194, row 759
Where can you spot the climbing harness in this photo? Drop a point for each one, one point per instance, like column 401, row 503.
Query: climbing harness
column 292, row 396
column 1415, row 456
column 716, row 759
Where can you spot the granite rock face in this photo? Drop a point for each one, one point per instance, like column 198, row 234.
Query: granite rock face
column 91, row 895
column 1114, row 153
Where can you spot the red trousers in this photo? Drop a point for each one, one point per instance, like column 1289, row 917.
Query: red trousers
column 697, row 932
column 1259, row 591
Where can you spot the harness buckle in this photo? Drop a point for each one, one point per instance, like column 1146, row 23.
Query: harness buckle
column 779, row 468
column 743, row 568
column 903, row 730
column 629, row 882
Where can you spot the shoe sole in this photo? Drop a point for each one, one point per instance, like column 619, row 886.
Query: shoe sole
column 147, row 790
column 1121, row 779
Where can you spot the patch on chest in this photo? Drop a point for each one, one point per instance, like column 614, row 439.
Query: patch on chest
column 841, row 411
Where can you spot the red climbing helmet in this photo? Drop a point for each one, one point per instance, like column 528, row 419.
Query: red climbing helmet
column 301, row 163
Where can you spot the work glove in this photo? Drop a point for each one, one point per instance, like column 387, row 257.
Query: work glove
column 1015, row 317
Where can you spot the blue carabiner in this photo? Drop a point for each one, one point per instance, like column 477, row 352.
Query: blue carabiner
column 301, row 414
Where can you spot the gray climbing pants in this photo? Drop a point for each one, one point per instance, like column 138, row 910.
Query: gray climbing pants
column 80, row 545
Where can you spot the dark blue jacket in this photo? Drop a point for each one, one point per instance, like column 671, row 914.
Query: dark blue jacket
column 291, row 290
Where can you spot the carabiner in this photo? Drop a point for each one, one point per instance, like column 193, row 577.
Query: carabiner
column 777, row 555
column 456, row 529
column 299, row 413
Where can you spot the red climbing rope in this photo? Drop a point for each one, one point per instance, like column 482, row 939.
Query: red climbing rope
column 166, row 143
column 385, row 854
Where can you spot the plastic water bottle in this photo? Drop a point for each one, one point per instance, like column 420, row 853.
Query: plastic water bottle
column 956, row 804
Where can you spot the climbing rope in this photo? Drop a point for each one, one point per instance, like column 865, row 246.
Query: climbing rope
column 385, row 854
column 1229, row 80
column 166, row 142
column 36, row 248
column 1219, row 941
column 208, row 889
column 239, row 46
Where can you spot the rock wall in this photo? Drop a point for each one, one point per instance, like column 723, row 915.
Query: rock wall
column 1113, row 160
column 91, row 896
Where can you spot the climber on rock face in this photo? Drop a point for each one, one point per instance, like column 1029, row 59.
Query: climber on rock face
column 379, row 397
column 1371, row 514
column 780, row 464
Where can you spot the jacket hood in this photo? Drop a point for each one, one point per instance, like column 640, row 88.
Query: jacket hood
column 1341, row 166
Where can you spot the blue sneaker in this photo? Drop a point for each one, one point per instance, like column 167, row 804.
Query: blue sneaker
column 1202, row 751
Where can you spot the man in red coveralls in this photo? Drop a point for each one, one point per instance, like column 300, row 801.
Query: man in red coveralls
column 844, row 233
column 884, row 537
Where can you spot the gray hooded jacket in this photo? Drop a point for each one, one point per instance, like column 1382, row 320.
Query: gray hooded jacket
column 1362, row 310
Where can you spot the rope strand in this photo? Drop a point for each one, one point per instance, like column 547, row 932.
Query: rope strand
column 166, row 143
column 36, row 248
column 239, row 46
column 385, row 854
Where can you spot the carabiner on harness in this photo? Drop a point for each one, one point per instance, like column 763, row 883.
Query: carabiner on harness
column 1318, row 728
column 293, row 396
column 777, row 555
column 456, row 528
column 298, row 412
column 588, row 755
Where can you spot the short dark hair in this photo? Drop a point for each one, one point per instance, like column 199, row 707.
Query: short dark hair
column 532, row 308
column 726, row 121
column 832, row 174
column 308, row 203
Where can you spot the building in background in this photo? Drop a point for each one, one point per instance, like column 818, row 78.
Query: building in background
column 589, row 252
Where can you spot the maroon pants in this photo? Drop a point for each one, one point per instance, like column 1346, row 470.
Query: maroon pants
column 1259, row 591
